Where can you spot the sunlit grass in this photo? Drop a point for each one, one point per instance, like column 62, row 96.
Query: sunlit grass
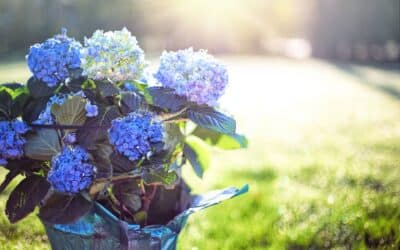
column 322, row 164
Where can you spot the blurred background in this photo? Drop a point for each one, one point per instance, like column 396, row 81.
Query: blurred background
column 314, row 84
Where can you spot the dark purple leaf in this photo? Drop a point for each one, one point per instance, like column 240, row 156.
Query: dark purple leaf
column 64, row 209
column 24, row 198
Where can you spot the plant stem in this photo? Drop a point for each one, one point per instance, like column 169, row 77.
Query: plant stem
column 59, row 126
column 170, row 117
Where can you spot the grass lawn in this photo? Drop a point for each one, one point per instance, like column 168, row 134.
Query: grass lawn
column 323, row 162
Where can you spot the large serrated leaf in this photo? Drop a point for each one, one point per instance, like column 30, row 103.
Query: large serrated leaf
column 5, row 104
column 64, row 209
column 198, row 154
column 39, row 89
column 209, row 118
column 20, row 98
column 25, row 197
column 43, row 145
column 167, row 99
column 107, row 88
column 71, row 112
column 167, row 203
column 33, row 108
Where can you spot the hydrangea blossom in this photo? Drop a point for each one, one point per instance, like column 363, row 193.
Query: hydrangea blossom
column 11, row 140
column 134, row 135
column 71, row 171
column 45, row 117
column 91, row 110
column 52, row 60
column 70, row 138
column 195, row 75
column 113, row 55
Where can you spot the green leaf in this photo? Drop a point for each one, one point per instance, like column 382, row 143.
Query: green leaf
column 198, row 154
column 130, row 102
column 20, row 99
column 5, row 104
column 89, row 84
column 64, row 209
column 43, row 145
column 13, row 85
column 71, row 112
column 232, row 141
column 223, row 141
column 39, row 89
column 159, row 174
column 209, row 118
column 12, row 100
column 167, row 99
column 14, row 172
column 107, row 88
column 25, row 197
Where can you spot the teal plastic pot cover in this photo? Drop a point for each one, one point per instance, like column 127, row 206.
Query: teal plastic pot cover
column 100, row 229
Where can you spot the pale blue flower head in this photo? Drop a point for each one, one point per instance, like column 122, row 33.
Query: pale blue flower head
column 112, row 55
column 195, row 75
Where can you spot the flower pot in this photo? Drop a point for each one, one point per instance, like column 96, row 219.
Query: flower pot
column 100, row 229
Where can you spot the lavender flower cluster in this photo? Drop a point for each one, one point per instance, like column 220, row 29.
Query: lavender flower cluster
column 71, row 171
column 195, row 75
column 134, row 135
column 52, row 60
column 11, row 140
column 112, row 55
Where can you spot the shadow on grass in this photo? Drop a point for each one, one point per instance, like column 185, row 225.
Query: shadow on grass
column 381, row 86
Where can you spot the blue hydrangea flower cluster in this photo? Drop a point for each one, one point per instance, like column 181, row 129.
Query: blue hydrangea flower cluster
column 11, row 140
column 195, row 75
column 52, row 60
column 71, row 171
column 113, row 55
column 134, row 135
column 45, row 117
column 91, row 110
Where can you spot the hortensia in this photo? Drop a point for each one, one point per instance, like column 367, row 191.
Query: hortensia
column 86, row 129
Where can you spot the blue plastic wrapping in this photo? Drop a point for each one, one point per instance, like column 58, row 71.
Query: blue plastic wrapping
column 100, row 229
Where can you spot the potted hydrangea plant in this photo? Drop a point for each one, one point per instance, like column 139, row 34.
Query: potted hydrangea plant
column 100, row 145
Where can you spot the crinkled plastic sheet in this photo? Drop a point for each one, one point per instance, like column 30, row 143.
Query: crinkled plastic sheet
column 100, row 229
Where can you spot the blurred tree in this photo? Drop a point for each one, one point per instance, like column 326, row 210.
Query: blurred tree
column 345, row 28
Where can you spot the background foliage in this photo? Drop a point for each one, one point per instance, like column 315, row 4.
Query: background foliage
column 345, row 29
